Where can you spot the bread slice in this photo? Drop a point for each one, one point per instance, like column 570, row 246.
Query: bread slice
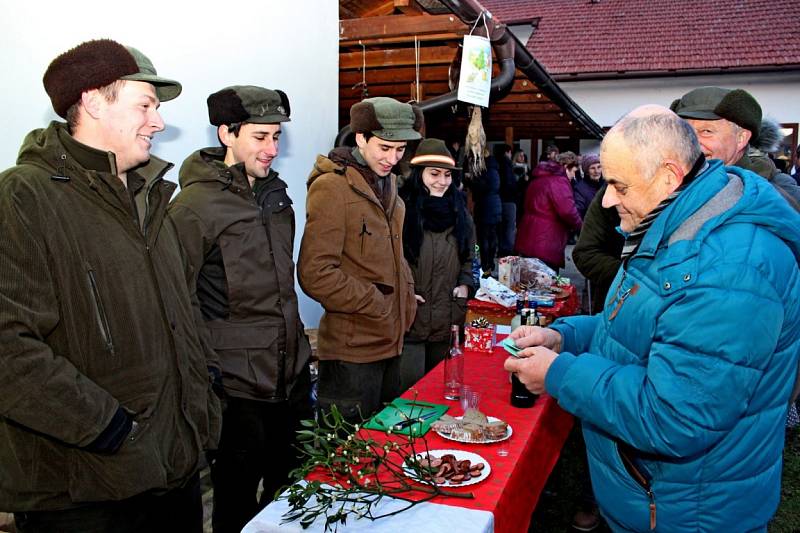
column 495, row 430
column 473, row 416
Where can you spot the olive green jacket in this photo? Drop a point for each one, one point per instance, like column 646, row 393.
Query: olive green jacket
column 95, row 313
column 240, row 242
column 437, row 272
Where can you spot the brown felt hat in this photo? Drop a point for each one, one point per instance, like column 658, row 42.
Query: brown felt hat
column 95, row 64
column 433, row 153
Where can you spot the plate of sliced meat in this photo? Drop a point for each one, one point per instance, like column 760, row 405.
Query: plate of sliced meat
column 450, row 468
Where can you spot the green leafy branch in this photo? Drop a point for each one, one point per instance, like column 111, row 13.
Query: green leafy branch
column 351, row 473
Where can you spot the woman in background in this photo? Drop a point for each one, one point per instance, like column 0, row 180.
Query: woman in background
column 549, row 215
column 439, row 244
column 586, row 188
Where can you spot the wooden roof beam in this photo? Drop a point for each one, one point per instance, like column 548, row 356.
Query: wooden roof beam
column 383, row 8
column 429, row 55
column 399, row 39
column 399, row 26
column 394, row 75
column 407, row 7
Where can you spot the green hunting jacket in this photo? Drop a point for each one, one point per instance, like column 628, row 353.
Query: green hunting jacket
column 96, row 313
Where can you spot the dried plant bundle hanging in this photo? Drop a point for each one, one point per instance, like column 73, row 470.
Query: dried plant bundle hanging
column 476, row 143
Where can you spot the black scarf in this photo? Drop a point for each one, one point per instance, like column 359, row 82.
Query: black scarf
column 438, row 213
column 635, row 237
column 426, row 212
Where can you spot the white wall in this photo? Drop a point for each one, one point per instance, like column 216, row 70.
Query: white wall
column 289, row 45
column 607, row 100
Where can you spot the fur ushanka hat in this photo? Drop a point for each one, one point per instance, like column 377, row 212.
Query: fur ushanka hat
column 387, row 118
column 98, row 63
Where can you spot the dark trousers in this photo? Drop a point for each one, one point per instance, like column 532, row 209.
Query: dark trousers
column 358, row 389
column 419, row 358
column 257, row 446
column 487, row 241
column 507, row 230
column 179, row 509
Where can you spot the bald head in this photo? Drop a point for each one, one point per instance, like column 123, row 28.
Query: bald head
column 648, row 110
column 651, row 134
column 645, row 158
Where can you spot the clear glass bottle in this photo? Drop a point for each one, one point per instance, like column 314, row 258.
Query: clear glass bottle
column 454, row 367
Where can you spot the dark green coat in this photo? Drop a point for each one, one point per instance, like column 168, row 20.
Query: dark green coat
column 95, row 313
column 597, row 253
column 240, row 244
column 437, row 272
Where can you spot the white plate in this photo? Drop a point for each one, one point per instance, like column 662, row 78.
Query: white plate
column 509, row 432
column 460, row 455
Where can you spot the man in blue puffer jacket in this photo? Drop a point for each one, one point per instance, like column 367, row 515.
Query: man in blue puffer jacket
column 682, row 382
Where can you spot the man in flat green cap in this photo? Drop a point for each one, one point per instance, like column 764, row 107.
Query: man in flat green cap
column 351, row 259
column 106, row 405
column 729, row 126
column 236, row 222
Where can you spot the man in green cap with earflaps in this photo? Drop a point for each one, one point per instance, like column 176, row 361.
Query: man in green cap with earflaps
column 106, row 404
column 730, row 127
column 351, row 260
column 236, row 222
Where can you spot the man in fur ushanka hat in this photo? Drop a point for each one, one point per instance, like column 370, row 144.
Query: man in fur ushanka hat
column 351, row 259
column 235, row 220
column 106, row 406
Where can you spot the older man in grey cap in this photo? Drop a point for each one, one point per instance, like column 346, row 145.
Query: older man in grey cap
column 351, row 259
column 236, row 221
column 106, row 404
column 728, row 123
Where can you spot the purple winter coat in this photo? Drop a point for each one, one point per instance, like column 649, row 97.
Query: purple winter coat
column 549, row 215
column 584, row 191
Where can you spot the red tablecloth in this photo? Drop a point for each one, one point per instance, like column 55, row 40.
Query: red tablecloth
column 513, row 488
column 564, row 307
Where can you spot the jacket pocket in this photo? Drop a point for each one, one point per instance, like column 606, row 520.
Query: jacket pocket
column 136, row 467
column 250, row 358
column 100, row 313
column 639, row 476
column 622, row 496
column 371, row 332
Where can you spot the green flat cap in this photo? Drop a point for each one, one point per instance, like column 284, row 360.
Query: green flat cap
column 714, row 103
column 166, row 89
column 387, row 118
column 248, row 103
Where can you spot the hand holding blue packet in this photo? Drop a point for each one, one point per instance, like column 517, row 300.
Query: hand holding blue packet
column 510, row 346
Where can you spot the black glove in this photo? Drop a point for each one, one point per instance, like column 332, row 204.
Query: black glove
column 112, row 437
column 215, row 375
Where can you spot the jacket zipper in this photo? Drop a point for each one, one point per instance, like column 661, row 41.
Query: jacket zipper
column 100, row 314
column 280, row 386
column 364, row 232
column 148, row 190
column 643, row 482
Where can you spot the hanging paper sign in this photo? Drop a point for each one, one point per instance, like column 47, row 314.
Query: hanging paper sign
column 475, row 81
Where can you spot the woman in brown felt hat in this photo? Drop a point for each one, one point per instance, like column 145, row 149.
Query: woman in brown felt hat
column 439, row 244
